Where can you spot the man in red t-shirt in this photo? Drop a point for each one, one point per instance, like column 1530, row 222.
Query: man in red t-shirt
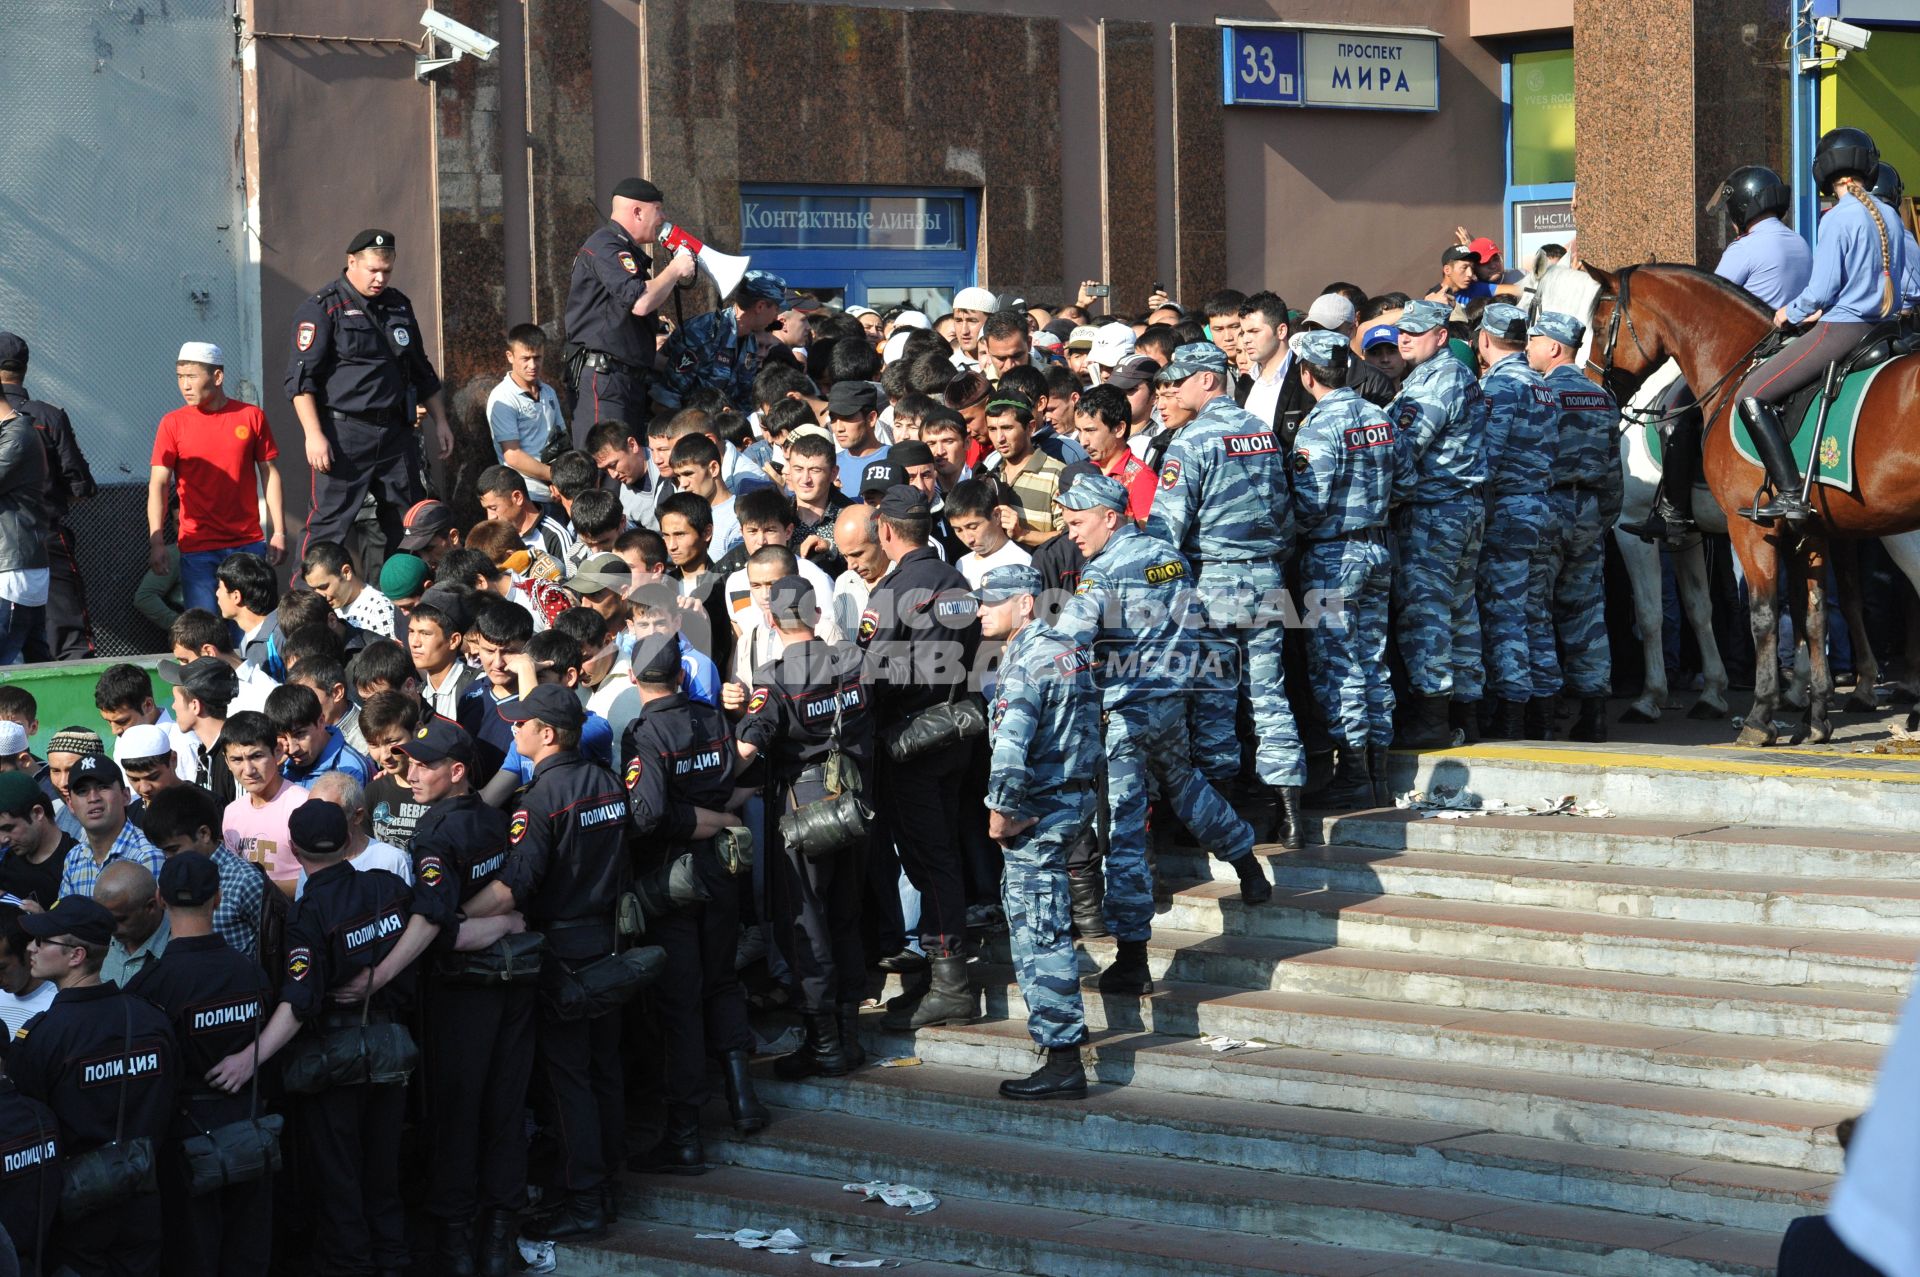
column 1100, row 419
column 217, row 454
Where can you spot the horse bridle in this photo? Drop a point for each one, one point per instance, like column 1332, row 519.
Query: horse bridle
column 1703, row 400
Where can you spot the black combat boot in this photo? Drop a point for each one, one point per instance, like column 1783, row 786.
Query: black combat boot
column 749, row 1114
column 821, row 1054
column 1060, row 1078
column 1770, row 441
column 1255, row 889
column 574, row 1215
column 679, row 1151
column 1464, row 717
column 456, row 1249
column 1592, row 724
column 849, row 1013
column 1129, row 973
column 1286, row 827
column 950, row 999
column 1351, row 787
column 1423, row 723
column 914, row 984
column 1509, row 720
column 1088, row 889
column 496, row 1245
column 1377, row 772
column 1538, row 718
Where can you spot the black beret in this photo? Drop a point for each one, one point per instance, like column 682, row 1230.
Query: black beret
column 372, row 239
column 638, row 188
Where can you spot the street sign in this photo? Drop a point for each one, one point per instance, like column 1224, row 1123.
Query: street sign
column 1343, row 68
column 1262, row 66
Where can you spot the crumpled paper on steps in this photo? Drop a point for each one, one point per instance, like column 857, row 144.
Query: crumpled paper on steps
column 1458, row 804
column 784, row 1242
column 1221, row 1042
column 918, row 1201
column 835, row 1259
column 537, row 1256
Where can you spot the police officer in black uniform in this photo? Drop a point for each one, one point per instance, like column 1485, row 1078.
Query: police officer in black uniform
column 216, row 1000
column 105, row 1063
column 920, row 631
column 566, row 870
column 29, row 1175
column 678, row 765
column 611, row 306
column 344, row 923
column 69, row 633
column 810, row 701
column 357, row 369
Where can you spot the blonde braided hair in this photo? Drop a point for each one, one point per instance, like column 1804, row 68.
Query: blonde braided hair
column 1852, row 187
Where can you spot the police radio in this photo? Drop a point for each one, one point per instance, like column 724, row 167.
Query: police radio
column 724, row 269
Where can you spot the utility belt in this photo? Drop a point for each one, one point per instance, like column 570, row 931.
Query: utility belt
column 1580, row 485
column 1199, row 563
column 601, row 361
column 1372, row 536
column 509, row 961
column 374, row 423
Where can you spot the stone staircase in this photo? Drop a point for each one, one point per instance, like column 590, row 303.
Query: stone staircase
column 1609, row 1047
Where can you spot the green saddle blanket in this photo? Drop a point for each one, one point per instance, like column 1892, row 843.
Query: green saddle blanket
column 1835, row 465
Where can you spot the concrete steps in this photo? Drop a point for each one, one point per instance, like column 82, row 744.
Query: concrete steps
column 1461, row 1225
column 642, row 1247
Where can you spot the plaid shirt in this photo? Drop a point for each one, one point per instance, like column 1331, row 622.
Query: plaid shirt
column 80, row 872
column 236, row 919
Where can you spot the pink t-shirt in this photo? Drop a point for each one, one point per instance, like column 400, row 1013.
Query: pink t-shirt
column 259, row 833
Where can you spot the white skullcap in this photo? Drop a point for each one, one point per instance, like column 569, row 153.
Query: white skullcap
column 910, row 319
column 201, row 352
column 976, row 299
column 895, row 344
column 142, row 740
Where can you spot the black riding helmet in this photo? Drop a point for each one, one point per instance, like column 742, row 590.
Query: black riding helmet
column 1753, row 192
column 1887, row 186
column 1844, row 152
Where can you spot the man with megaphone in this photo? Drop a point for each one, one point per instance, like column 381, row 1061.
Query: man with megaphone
column 722, row 349
column 612, row 335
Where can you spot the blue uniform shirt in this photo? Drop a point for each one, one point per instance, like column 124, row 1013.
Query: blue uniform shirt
column 708, row 352
column 1343, row 467
column 1769, row 261
column 1223, row 494
column 1439, row 422
column 1523, row 428
column 1133, row 606
column 1046, row 724
column 1588, row 453
column 1848, row 272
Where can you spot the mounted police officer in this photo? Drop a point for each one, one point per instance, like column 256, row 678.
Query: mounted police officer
column 1132, row 608
column 1586, row 500
column 1343, row 470
column 1768, row 260
column 1890, row 190
column 1860, row 269
column 1040, row 798
column 1439, row 421
column 721, row 350
column 1522, row 434
column 356, row 372
column 1223, row 504
column 611, row 304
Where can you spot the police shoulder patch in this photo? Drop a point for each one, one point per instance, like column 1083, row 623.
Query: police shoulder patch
column 1301, row 460
column 517, row 827
column 1161, row 573
column 1170, row 474
column 303, row 337
column 402, row 337
column 758, row 701
column 432, row 870
column 627, row 263
column 632, row 774
column 299, row 962
column 1075, row 660
column 1409, row 413
column 869, row 624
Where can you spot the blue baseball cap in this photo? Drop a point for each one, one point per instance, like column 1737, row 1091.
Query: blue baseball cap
column 1504, row 323
column 1090, row 491
column 1379, row 333
column 1007, row 582
column 1423, row 316
column 1564, row 329
column 1195, row 356
column 1319, row 348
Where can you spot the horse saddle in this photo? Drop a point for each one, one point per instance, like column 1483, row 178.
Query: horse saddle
column 1828, row 448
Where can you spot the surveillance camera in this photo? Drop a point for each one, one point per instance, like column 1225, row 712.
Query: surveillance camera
column 1842, row 35
column 462, row 37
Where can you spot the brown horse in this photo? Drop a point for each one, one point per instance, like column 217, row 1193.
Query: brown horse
column 1714, row 329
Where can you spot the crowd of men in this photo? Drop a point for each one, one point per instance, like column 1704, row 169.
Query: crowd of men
column 797, row 648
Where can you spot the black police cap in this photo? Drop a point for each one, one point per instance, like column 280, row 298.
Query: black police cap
column 792, row 597
column 82, row 917
column 437, row 740
column 318, row 828
column 657, row 660
column 552, row 704
column 13, row 352
column 188, row 879
column 903, row 502
column 372, row 239
column 638, row 188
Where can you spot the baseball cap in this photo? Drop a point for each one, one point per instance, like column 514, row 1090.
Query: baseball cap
column 1484, row 249
column 597, row 572
column 852, row 399
column 1111, row 344
column 976, row 299
column 551, row 703
column 373, row 238
column 1504, row 322
column 1379, row 334
column 1134, row 370
column 879, row 476
column 1094, row 490
column 82, row 917
column 1458, row 253
column 1044, row 340
column 13, row 738
column 908, row 453
column 657, row 660
column 318, row 827
column 903, row 501
column 437, row 740
column 1330, row 310
column 94, row 769
column 201, row 352
column 764, row 285
column 1317, row 348
column 205, row 677
column 142, row 740
column 402, row 576
column 638, row 188
column 1081, row 338
column 1195, row 356
column 1423, row 316
column 19, row 791
column 1008, row 581
column 1563, row 328
column 13, row 350
column 188, row 879
column 424, row 521
column 792, row 597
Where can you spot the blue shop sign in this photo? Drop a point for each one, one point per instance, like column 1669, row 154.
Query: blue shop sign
column 1345, row 68
column 914, row 222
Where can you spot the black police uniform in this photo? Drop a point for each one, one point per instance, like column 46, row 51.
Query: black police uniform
column 217, row 1001
column 679, row 755
column 94, row 1048
column 790, row 720
column 344, row 923
column 69, row 633
column 609, row 275
column 364, row 360
column 478, row 1048
column 920, row 630
column 566, row 868
column 30, row 1178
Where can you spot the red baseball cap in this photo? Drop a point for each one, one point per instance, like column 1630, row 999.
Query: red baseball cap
column 1485, row 249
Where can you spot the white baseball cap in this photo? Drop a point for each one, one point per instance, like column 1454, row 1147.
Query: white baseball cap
column 1330, row 310
column 201, row 352
column 857, row 311
column 1111, row 343
column 142, row 740
column 976, row 299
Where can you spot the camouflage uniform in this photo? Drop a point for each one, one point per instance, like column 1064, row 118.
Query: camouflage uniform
column 1439, row 420
column 1522, row 429
column 1223, row 501
column 1131, row 606
column 1046, row 747
column 1586, row 501
column 1344, row 461
column 709, row 351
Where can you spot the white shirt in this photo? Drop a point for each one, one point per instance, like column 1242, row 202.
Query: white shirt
column 975, row 568
column 255, row 684
column 1143, row 438
column 850, row 591
column 17, row 1011
column 376, row 855
column 26, row 587
column 1264, row 398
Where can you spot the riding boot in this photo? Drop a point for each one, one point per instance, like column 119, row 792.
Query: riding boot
column 1087, row 888
column 950, row 999
column 497, row 1251
column 1591, row 726
column 456, row 1249
column 1377, row 772
column 1062, row 1077
column 1537, row 717
column 1770, row 439
column 749, row 1114
column 1129, row 972
column 1285, row 827
column 850, row 1035
column 1255, row 889
column 679, row 1151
